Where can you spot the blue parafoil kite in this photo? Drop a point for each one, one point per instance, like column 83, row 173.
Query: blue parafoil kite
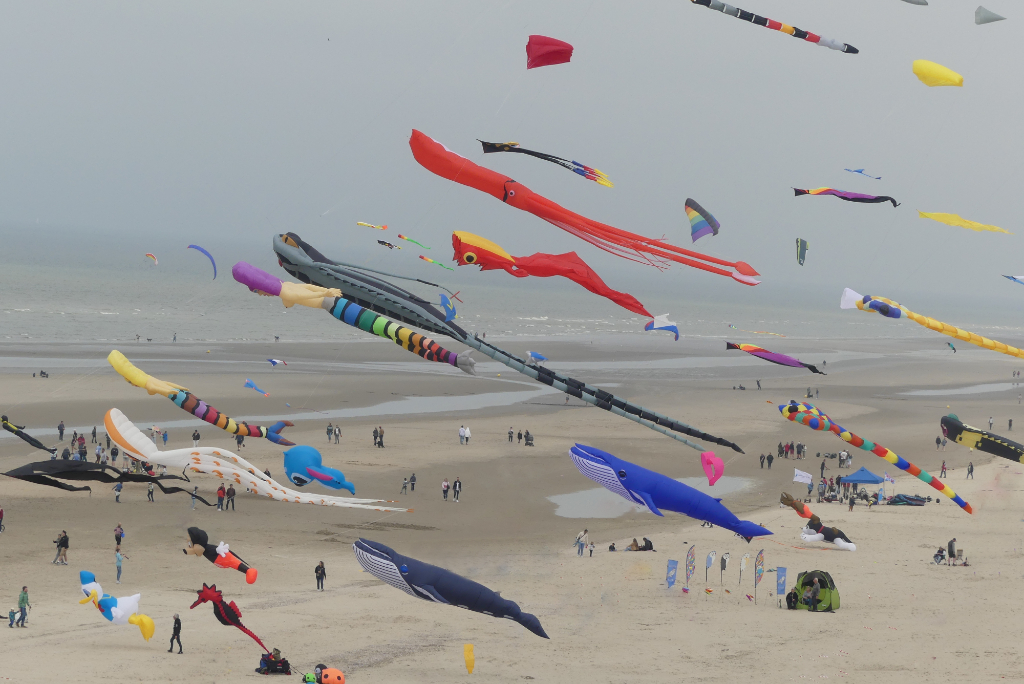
column 208, row 256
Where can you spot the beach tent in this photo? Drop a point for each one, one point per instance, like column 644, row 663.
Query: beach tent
column 828, row 597
column 863, row 476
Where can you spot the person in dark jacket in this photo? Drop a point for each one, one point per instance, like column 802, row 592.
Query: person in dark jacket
column 321, row 574
column 176, row 635
column 412, row 483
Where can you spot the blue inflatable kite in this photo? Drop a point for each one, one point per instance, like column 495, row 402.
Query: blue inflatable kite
column 208, row 256
column 252, row 385
column 432, row 583
column 303, row 464
column 655, row 491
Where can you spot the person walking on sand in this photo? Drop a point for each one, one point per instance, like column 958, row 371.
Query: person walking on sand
column 762, row 461
column 230, row 500
column 117, row 492
column 938, row 443
column 117, row 562
column 337, row 434
column 405, row 486
column 770, row 459
column 412, row 482
column 444, row 489
column 164, row 435
column 380, row 437
column 582, row 540
column 94, row 435
column 149, row 493
column 118, row 534
column 220, row 497
column 60, row 427
column 468, row 435
column 23, row 606
column 758, row 385
column 176, row 635
column 375, row 436
column 943, row 473
column 943, row 443
column 520, row 436
column 195, row 490
column 330, row 432
column 195, row 438
column 823, row 468
column 320, row 572
column 456, row 489
column 990, row 422
column 510, row 435
column 970, row 470
column 59, row 541
column 462, row 434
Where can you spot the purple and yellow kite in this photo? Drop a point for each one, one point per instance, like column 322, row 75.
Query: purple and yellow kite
column 848, row 196
column 780, row 359
column 701, row 221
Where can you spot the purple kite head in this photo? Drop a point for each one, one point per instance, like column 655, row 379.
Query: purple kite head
column 256, row 279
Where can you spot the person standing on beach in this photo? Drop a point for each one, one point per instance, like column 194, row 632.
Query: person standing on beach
column 320, row 572
column 117, row 492
column 412, row 482
column 118, row 534
column 456, row 489
column 195, row 438
column 113, row 455
column 375, row 436
column 117, row 562
column 758, row 385
column 520, row 436
column 337, row 434
column 238, row 440
column 380, row 437
column 60, row 426
column 176, row 635
column 770, row 459
column 195, row 490
column 462, row 434
column 943, row 443
column 815, row 591
column 230, row 501
column 405, row 486
column 330, row 432
column 149, row 493
column 762, row 461
column 990, row 422
column 94, row 435
column 468, row 435
column 582, row 541
column 943, row 473
column 83, row 452
column 23, row 606
column 938, row 443
column 823, row 468
column 165, row 437
column 510, row 435
column 444, row 489
column 970, row 470
column 220, row 497
column 59, row 541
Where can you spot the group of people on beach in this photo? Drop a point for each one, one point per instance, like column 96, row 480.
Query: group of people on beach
column 521, row 436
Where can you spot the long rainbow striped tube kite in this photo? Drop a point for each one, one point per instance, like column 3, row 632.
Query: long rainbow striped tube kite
column 261, row 282
column 193, row 404
column 776, row 25
column 891, row 309
column 812, row 417
column 848, row 196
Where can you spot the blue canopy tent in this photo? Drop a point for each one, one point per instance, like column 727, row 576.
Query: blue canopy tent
column 863, row 476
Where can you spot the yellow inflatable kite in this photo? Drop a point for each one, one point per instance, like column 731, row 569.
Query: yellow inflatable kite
column 932, row 74
column 954, row 220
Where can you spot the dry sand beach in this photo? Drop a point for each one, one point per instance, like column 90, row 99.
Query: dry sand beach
column 610, row 617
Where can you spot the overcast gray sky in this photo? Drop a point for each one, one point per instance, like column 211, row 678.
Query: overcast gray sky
column 151, row 125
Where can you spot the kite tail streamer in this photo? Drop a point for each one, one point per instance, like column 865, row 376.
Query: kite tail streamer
column 191, row 403
column 891, row 309
column 807, row 414
column 372, row 322
column 776, row 25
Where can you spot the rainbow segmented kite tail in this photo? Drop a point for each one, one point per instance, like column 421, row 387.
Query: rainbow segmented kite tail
column 812, row 417
column 200, row 409
column 372, row 322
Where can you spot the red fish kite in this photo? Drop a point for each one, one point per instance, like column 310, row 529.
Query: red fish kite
column 438, row 159
column 473, row 250
column 544, row 51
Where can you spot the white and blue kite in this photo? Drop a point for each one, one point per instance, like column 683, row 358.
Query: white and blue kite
column 662, row 323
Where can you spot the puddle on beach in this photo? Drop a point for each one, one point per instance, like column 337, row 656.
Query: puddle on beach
column 601, row 503
column 970, row 389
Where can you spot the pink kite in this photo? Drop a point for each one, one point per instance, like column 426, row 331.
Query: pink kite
column 544, row 51
column 713, row 466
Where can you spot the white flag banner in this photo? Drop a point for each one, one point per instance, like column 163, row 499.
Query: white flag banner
column 801, row 476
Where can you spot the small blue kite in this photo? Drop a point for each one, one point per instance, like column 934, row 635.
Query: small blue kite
column 662, row 323
column 449, row 308
column 861, row 172
column 252, row 385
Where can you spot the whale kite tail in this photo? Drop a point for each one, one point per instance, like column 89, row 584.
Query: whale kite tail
column 749, row 530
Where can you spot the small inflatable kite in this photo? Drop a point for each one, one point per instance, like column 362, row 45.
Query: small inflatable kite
column 439, row 160
column 249, row 384
column 654, row 491
column 387, row 244
column 713, row 467
column 370, row 225
column 222, row 464
column 848, row 196
column 951, row 347
column 861, row 172
column 662, row 323
column 473, row 250
column 50, row 473
column 979, row 439
column 588, row 172
column 891, row 309
column 984, row 16
column 228, row 614
column 534, row 356
column 776, row 25
column 701, row 221
column 189, row 402
column 18, row 431
column 275, row 362
column 409, row 239
column 801, row 251
column 120, row 611
column 153, row 257
column 954, row 220
column 431, row 583
column 208, row 256
column 543, row 51
column 220, row 555
column 932, row 74
column 814, row 530
column 756, row 332
column 438, row 263
column 773, row 357
column 449, row 308
column 809, row 415
column 303, row 464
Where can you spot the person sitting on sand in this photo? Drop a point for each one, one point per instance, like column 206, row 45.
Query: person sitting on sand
column 647, row 545
column 634, row 546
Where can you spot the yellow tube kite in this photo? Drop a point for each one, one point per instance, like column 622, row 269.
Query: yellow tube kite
column 891, row 309
column 932, row 74
column 954, row 220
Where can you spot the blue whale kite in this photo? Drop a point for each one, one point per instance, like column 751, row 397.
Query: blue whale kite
column 303, row 464
column 655, row 491
column 432, row 583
